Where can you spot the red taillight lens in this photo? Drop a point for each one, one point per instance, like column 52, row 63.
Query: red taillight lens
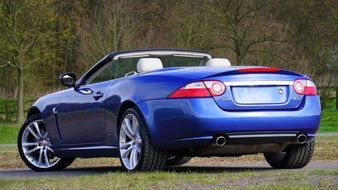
column 199, row 89
column 304, row 87
column 195, row 89
column 258, row 70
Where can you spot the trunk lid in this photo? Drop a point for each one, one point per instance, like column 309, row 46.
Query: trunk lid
column 258, row 90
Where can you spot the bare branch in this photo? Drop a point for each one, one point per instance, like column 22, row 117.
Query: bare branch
column 33, row 42
column 250, row 11
column 254, row 42
column 4, row 65
column 31, row 62
column 222, row 46
column 4, row 51
column 13, row 65
column 4, row 61
column 7, row 63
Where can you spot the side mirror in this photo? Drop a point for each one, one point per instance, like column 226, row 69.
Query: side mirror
column 68, row 79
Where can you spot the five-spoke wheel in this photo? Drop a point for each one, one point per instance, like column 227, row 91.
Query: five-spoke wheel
column 35, row 147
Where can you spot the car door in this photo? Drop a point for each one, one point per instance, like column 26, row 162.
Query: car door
column 81, row 110
column 80, row 114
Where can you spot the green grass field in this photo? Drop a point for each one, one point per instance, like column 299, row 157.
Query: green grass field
column 251, row 179
column 329, row 121
column 8, row 133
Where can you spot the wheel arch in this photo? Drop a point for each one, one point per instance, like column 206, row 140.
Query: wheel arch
column 32, row 111
column 125, row 106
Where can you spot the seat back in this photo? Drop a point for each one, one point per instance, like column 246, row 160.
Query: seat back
column 218, row 62
column 148, row 64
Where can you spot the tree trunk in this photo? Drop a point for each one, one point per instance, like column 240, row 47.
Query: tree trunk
column 336, row 97
column 20, row 116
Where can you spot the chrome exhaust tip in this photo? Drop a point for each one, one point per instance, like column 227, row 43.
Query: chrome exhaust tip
column 301, row 138
column 220, row 141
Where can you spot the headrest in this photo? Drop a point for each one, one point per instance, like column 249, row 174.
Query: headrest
column 148, row 64
column 218, row 62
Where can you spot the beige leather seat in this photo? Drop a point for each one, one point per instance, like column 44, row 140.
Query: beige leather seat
column 149, row 64
column 218, row 62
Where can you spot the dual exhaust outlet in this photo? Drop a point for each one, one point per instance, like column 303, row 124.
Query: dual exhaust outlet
column 301, row 138
column 221, row 140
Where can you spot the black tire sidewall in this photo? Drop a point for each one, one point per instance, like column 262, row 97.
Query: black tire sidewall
column 296, row 156
column 177, row 160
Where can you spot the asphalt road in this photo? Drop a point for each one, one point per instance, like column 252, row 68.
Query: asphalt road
column 73, row 172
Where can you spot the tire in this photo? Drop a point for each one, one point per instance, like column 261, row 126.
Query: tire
column 34, row 147
column 136, row 152
column 294, row 156
column 177, row 160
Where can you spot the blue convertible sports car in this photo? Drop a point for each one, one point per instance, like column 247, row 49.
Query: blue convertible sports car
column 158, row 107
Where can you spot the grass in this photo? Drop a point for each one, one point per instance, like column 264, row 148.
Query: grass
column 329, row 121
column 254, row 179
column 8, row 133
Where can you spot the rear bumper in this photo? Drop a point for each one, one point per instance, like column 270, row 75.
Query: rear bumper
column 185, row 123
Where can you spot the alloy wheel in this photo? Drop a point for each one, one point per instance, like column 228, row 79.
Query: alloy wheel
column 130, row 142
column 35, row 145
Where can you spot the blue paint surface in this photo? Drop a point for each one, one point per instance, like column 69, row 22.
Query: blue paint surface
column 81, row 120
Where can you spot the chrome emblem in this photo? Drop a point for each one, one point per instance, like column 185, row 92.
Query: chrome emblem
column 280, row 91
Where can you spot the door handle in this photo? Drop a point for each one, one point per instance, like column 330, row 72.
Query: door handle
column 55, row 111
column 98, row 95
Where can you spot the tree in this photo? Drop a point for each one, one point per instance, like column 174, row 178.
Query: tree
column 20, row 26
column 183, row 24
column 237, row 25
column 108, row 28
column 313, row 38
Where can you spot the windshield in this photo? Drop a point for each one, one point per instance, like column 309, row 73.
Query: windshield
column 128, row 66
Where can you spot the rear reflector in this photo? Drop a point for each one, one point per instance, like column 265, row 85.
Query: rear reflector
column 199, row 89
column 258, row 70
column 304, row 87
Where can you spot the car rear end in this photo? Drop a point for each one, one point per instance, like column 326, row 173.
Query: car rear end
column 247, row 109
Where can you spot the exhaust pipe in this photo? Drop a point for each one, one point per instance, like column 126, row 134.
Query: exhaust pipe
column 301, row 138
column 220, row 141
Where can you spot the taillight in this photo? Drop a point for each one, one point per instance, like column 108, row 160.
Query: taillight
column 215, row 88
column 199, row 89
column 258, row 70
column 304, row 87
